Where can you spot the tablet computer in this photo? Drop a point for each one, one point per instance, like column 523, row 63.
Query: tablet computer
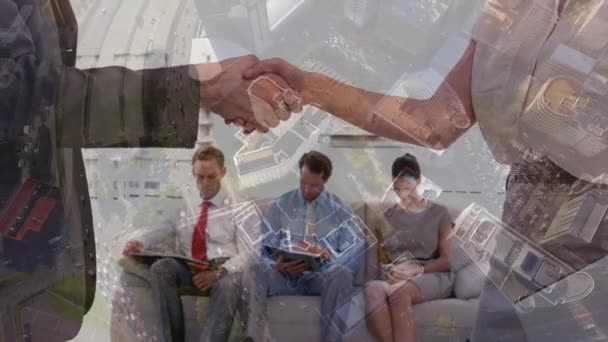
column 315, row 260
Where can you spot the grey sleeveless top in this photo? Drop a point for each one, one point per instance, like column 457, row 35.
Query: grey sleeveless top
column 415, row 232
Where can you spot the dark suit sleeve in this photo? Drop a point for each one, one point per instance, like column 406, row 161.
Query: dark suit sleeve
column 102, row 107
column 115, row 106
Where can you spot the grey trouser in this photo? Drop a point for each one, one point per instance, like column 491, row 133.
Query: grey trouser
column 335, row 288
column 532, row 191
column 168, row 276
column 497, row 319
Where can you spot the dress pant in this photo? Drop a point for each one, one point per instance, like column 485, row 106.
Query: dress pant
column 533, row 192
column 334, row 286
column 168, row 276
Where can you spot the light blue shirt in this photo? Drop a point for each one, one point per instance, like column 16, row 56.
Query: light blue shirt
column 336, row 227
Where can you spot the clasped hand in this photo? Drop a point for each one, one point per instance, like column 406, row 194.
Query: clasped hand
column 205, row 280
column 253, row 94
column 396, row 273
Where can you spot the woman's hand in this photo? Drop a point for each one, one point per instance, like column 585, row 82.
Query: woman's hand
column 258, row 103
column 405, row 272
column 293, row 75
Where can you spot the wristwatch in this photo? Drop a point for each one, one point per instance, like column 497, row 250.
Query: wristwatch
column 221, row 273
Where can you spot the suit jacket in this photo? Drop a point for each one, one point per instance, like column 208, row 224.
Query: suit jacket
column 49, row 109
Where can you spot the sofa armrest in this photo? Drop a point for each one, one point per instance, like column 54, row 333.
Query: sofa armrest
column 469, row 277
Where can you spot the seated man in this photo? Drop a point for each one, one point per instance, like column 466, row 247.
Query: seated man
column 312, row 220
column 211, row 237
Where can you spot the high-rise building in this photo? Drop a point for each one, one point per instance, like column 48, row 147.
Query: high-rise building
column 569, row 126
column 360, row 12
column 521, row 267
column 253, row 24
column 421, row 19
column 579, row 218
column 205, row 129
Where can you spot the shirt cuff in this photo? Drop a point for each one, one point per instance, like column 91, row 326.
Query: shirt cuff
column 231, row 266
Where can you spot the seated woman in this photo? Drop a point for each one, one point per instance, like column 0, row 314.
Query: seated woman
column 419, row 227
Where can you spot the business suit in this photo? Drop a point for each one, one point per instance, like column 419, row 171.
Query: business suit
column 47, row 100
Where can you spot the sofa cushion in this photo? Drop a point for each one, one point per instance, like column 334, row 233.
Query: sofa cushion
column 294, row 309
column 468, row 282
column 459, row 258
column 450, row 312
column 296, row 318
column 194, row 307
column 301, row 332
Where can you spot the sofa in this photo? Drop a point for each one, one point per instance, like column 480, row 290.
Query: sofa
column 296, row 318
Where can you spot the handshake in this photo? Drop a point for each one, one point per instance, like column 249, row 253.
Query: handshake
column 250, row 93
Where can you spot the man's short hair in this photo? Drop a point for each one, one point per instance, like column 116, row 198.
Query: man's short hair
column 316, row 162
column 208, row 153
column 406, row 165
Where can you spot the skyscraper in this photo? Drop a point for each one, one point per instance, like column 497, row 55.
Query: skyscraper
column 579, row 218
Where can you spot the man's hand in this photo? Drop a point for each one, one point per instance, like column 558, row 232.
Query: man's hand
column 288, row 72
column 257, row 103
column 205, row 280
column 306, row 246
column 133, row 246
column 292, row 268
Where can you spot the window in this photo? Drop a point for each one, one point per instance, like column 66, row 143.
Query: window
column 151, row 185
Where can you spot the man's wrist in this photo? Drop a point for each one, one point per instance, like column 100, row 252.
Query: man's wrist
column 208, row 91
column 209, row 94
column 207, row 71
column 221, row 273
